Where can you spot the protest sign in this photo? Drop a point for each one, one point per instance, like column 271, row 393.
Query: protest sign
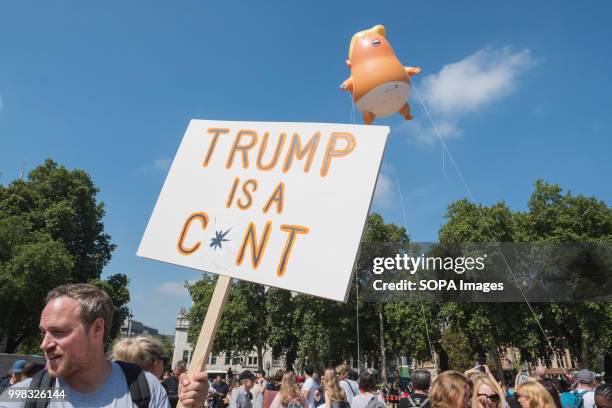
column 280, row 204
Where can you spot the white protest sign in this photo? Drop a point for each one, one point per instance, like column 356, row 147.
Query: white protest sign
column 280, row 204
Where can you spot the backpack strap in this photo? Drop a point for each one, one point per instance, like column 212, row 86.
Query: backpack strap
column 137, row 384
column 41, row 381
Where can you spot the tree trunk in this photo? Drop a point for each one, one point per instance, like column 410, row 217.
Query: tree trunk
column 584, row 353
column 260, row 356
column 383, row 350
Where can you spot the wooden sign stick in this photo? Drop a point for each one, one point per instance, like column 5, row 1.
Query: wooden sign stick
column 210, row 326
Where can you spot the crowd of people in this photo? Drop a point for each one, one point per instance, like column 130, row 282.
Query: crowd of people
column 76, row 321
column 475, row 388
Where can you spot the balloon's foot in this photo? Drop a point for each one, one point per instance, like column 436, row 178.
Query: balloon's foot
column 368, row 118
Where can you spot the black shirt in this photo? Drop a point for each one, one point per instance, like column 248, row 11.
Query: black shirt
column 171, row 384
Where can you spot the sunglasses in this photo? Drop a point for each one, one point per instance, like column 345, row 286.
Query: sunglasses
column 492, row 397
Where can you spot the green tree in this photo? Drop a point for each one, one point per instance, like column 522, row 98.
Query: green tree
column 243, row 325
column 581, row 327
column 51, row 233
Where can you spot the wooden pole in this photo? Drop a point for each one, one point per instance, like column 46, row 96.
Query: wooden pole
column 210, row 326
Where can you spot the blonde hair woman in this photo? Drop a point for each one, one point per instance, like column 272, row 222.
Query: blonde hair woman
column 335, row 397
column 485, row 394
column 451, row 389
column 144, row 351
column 533, row 395
column 290, row 394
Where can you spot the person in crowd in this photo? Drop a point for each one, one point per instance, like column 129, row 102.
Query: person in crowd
column 320, row 395
column 259, row 388
column 451, row 389
column 144, row 351
column 241, row 396
column 232, row 385
column 309, row 387
column 276, row 380
column 75, row 322
column 394, row 394
column 317, row 379
column 532, row 394
column 352, row 379
column 220, row 386
column 30, row 369
column 582, row 396
column 603, row 396
column 273, row 387
column 540, row 373
column 553, row 389
column 15, row 375
column 486, row 393
column 171, row 384
column 343, row 376
column 385, row 392
column 290, row 395
column 483, row 370
column 522, row 377
column 367, row 393
column 335, row 395
column 421, row 382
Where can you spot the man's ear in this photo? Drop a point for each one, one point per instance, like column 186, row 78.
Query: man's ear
column 98, row 327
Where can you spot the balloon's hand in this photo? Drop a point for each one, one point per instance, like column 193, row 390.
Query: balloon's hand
column 193, row 391
column 347, row 85
column 412, row 70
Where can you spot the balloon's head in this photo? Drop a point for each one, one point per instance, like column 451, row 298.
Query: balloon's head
column 367, row 44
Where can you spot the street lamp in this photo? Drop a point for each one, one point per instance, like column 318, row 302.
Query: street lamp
column 129, row 330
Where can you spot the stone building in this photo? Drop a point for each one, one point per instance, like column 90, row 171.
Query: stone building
column 219, row 362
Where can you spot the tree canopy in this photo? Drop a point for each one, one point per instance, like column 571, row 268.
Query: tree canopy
column 308, row 330
column 51, row 233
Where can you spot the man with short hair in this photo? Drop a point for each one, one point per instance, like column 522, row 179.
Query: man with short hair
column 16, row 375
column 310, row 387
column 583, row 395
column 367, row 389
column 421, row 381
column 74, row 323
column 343, row 376
column 220, row 386
column 241, row 397
column 171, row 383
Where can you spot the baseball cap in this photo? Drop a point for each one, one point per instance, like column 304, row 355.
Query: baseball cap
column 246, row 375
column 585, row 376
column 18, row 366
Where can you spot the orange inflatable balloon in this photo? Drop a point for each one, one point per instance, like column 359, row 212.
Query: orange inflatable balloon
column 380, row 84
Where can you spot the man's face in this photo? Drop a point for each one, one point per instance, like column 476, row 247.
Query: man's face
column 68, row 346
column 218, row 379
column 16, row 377
column 248, row 384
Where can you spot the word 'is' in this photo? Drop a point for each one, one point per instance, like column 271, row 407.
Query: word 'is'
column 250, row 241
column 339, row 144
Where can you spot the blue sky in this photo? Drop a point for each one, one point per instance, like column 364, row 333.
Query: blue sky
column 519, row 91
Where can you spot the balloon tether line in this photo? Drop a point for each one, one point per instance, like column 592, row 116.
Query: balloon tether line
column 433, row 356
